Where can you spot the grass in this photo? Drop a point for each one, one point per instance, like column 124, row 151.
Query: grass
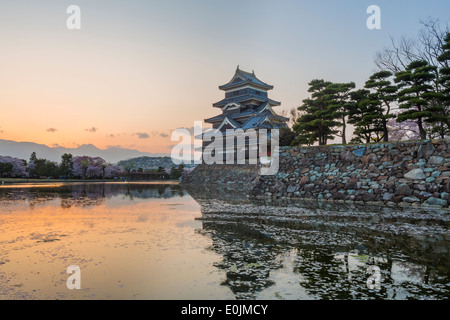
column 364, row 144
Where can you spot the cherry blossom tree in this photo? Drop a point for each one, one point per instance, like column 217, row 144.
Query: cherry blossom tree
column 95, row 167
column 17, row 168
column 112, row 171
column 80, row 166
column 94, row 172
column 402, row 131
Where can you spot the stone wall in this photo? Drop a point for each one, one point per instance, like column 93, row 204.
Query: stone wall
column 219, row 178
column 413, row 173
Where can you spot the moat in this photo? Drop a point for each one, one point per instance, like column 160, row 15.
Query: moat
column 161, row 241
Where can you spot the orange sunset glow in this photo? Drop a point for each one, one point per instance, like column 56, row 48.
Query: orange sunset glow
column 137, row 70
column 105, row 96
column 236, row 157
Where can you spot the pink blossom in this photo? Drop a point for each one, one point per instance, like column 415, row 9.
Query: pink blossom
column 19, row 166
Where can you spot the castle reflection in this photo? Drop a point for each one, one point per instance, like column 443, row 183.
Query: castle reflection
column 260, row 250
column 322, row 250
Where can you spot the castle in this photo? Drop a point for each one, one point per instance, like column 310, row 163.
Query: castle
column 246, row 106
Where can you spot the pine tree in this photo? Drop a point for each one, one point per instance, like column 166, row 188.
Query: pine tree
column 415, row 94
column 364, row 115
column 66, row 165
column 444, row 71
column 339, row 94
column 383, row 96
column 318, row 118
column 33, row 156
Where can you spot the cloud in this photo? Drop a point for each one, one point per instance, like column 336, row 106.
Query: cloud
column 51, row 130
column 93, row 129
column 141, row 135
column 192, row 130
column 55, row 145
column 161, row 134
column 111, row 135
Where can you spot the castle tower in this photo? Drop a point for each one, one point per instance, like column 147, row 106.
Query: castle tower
column 246, row 106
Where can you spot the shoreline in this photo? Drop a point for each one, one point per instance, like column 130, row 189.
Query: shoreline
column 15, row 181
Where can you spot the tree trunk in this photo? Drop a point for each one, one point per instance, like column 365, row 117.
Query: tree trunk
column 344, row 139
column 422, row 132
column 321, row 135
column 385, row 131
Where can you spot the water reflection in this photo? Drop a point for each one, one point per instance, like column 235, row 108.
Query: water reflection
column 130, row 241
column 320, row 250
column 86, row 194
column 153, row 241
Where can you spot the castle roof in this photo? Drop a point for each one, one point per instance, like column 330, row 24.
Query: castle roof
column 242, row 78
column 246, row 97
column 247, row 113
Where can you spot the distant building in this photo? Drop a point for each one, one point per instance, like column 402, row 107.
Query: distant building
column 246, row 106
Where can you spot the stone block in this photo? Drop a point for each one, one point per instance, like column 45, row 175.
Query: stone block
column 403, row 190
column 432, row 201
column 436, row 160
column 415, row 174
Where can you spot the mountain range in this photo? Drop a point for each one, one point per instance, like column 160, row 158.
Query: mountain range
column 23, row 150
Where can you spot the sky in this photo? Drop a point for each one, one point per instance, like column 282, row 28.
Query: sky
column 137, row 70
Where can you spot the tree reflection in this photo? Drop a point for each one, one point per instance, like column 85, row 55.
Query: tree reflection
column 328, row 275
column 334, row 249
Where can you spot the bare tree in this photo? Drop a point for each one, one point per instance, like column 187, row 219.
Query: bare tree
column 430, row 42
column 426, row 46
column 396, row 57
column 292, row 114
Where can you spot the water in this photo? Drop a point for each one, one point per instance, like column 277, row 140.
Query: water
column 159, row 241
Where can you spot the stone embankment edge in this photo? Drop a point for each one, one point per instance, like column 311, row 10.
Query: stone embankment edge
column 413, row 173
